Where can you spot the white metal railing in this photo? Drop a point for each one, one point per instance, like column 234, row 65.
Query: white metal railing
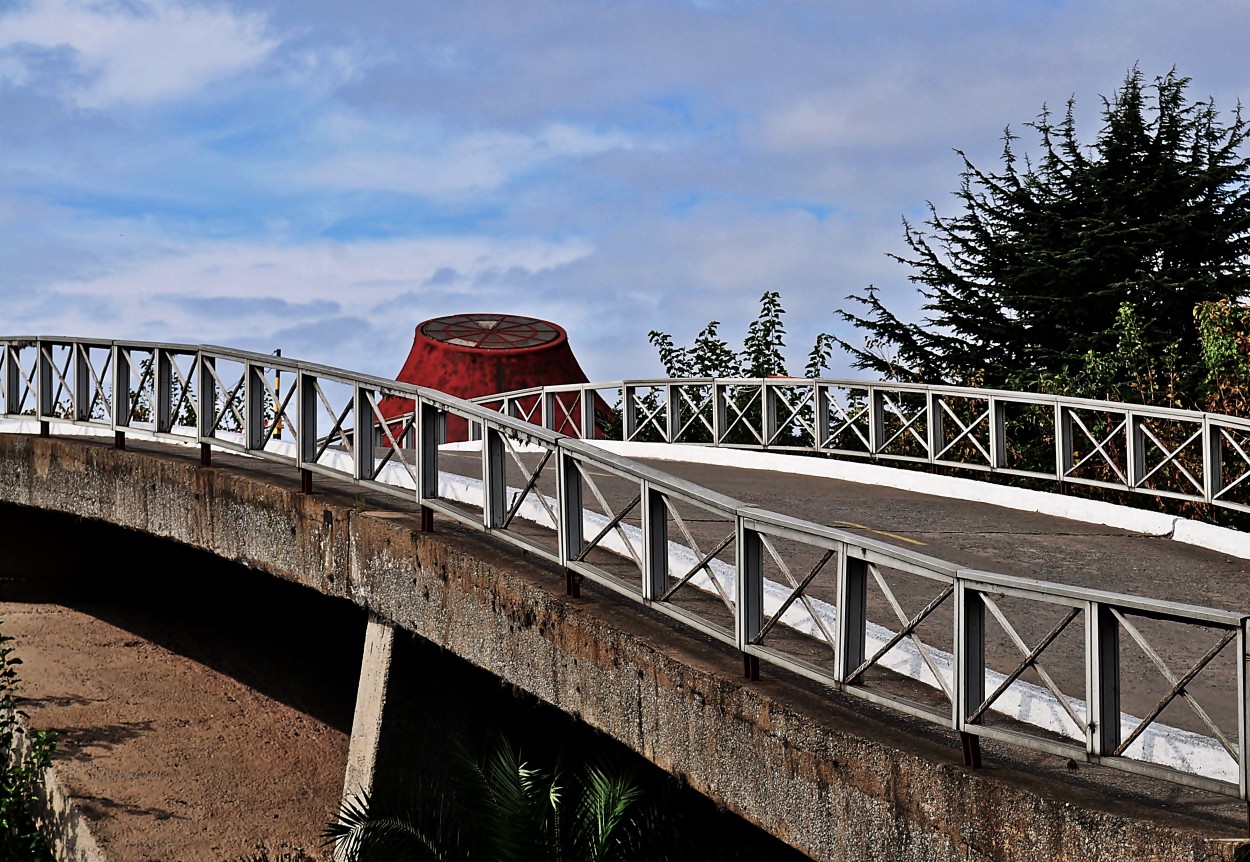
column 1181, row 454
column 981, row 653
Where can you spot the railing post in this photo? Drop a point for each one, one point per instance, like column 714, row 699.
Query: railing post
column 1063, row 442
column 852, row 615
column 1134, row 450
column 550, row 412
column 768, row 413
column 934, row 424
column 83, row 388
column 253, row 407
column 162, row 391
column 629, row 412
column 876, row 420
column 1243, row 708
column 427, row 427
column 1102, row 679
column 427, row 432
column 12, row 380
column 720, row 414
column 206, row 414
column 494, row 479
column 121, row 394
column 1212, row 460
column 998, row 434
column 749, row 595
column 589, row 429
column 672, row 414
column 44, row 392
column 306, row 433
column 569, row 502
column 969, row 666
column 654, row 544
column 821, row 409
column 363, row 438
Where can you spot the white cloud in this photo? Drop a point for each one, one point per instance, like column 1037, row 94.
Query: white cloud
column 142, row 52
column 361, row 274
column 431, row 163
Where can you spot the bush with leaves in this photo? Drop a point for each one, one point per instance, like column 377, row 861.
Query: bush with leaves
column 503, row 808
column 761, row 356
column 21, row 778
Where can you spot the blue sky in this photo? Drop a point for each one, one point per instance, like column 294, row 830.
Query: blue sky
column 322, row 176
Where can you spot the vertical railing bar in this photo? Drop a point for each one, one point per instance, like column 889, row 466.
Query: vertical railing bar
column 672, row 414
column 1103, row 679
column 589, row 429
column 569, row 507
column 83, row 386
column 654, row 543
column 1134, row 449
column 494, row 478
column 998, row 434
column 876, row 420
column 121, row 387
column 749, row 590
column 429, row 427
column 162, row 391
column 9, row 381
column 852, row 615
column 934, row 424
column 768, row 413
column 43, row 380
column 363, row 421
column 629, row 411
column 253, row 406
column 1243, row 709
column 969, row 653
column 206, row 417
column 306, row 409
column 1212, row 460
column 548, row 402
column 1063, row 442
column 720, row 415
column 821, row 415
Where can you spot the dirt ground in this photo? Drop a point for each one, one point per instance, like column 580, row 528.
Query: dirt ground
column 168, row 758
column 192, row 724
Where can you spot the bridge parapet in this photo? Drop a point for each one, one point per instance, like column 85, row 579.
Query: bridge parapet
column 821, row 602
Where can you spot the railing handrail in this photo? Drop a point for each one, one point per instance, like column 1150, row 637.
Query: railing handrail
column 140, row 388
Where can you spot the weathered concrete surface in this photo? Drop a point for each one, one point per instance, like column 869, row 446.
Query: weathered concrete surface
column 824, row 773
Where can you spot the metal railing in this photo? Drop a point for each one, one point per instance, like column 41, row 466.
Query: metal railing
column 1181, row 454
column 1037, row 664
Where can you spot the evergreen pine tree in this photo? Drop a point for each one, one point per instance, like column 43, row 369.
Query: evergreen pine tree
column 1032, row 274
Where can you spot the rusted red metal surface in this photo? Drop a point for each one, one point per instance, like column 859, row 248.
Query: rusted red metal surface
column 472, row 355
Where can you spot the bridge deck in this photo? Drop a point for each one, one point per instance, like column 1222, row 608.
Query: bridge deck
column 995, row 539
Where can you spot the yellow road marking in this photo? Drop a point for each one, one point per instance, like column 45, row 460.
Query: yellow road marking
column 856, row 526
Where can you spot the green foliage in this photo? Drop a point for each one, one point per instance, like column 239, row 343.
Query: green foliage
column 1224, row 337
column 1085, row 252
column 20, row 780
column 761, row 356
column 502, row 808
column 761, row 349
column 1132, row 370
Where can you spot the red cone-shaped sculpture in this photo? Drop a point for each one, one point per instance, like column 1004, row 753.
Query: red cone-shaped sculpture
column 471, row 355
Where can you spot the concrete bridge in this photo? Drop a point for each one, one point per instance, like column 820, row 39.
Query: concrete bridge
column 757, row 664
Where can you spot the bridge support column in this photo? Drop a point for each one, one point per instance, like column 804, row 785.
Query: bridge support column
column 377, row 685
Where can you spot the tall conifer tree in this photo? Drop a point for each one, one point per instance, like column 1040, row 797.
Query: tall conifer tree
column 1032, row 273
